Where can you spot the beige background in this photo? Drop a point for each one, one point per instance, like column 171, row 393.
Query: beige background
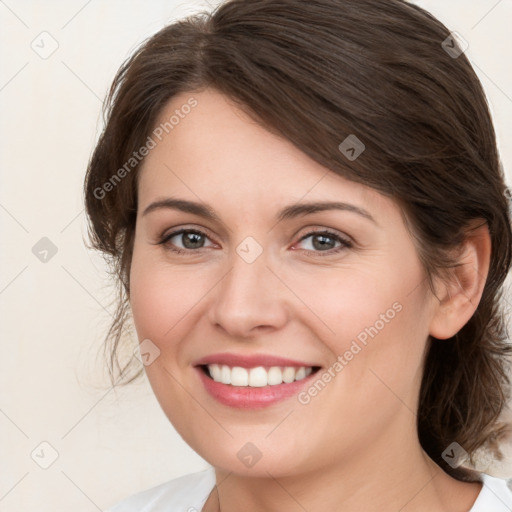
column 53, row 315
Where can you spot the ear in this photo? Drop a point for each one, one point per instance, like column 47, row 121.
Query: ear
column 459, row 294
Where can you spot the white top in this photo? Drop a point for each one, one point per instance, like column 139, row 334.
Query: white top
column 189, row 493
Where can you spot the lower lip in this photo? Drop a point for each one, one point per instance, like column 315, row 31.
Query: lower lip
column 245, row 397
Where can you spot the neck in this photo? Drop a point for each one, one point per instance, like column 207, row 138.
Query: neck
column 388, row 477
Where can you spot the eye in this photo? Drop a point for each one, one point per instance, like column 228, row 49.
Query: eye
column 190, row 238
column 322, row 241
column 325, row 242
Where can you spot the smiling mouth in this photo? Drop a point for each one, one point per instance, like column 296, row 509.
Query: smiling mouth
column 257, row 377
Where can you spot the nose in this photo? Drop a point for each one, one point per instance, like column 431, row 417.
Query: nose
column 249, row 299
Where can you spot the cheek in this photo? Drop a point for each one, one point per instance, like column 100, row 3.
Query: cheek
column 375, row 324
column 151, row 306
column 161, row 298
column 162, row 303
column 350, row 302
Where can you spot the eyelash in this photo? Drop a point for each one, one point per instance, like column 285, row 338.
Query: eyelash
column 345, row 243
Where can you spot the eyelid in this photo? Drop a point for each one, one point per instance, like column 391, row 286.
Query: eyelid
column 317, row 229
column 346, row 242
column 164, row 239
column 169, row 232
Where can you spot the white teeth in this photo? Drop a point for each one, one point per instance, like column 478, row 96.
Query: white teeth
column 288, row 374
column 259, row 376
column 239, row 376
column 274, row 376
column 225, row 375
column 301, row 373
column 215, row 371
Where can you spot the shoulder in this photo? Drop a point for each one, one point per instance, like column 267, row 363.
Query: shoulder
column 184, row 494
column 495, row 496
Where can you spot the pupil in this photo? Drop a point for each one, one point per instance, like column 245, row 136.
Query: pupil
column 188, row 237
column 321, row 245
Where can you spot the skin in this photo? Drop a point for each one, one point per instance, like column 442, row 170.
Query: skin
column 354, row 446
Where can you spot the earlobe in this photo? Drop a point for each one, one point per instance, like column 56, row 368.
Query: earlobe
column 460, row 293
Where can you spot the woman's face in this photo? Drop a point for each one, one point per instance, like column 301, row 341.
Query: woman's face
column 252, row 284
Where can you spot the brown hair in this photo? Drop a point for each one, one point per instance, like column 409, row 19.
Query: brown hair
column 315, row 72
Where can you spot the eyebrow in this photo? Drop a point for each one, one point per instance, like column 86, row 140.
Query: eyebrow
column 289, row 212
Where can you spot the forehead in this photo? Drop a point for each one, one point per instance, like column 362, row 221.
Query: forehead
column 215, row 151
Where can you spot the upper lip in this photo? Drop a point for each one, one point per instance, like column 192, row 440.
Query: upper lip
column 252, row 361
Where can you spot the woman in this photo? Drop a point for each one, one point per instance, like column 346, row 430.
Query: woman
column 304, row 207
